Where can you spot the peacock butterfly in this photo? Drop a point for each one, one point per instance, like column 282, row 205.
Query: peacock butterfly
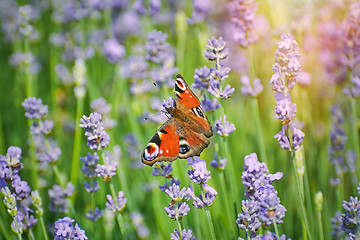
column 185, row 134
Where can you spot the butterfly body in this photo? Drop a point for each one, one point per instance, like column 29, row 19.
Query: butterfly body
column 184, row 134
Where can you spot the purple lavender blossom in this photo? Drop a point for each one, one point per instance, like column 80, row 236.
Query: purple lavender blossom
column 201, row 78
column 283, row 139
column 126, row 24
column 186, row 235
column 350, row 33
column 118, row 205
column 94, row 131
column 200, row 174
column 202, row 9
column 214, row 89
column 354, row 91
column 224, row 129
column 101, row 106
column 271, row 209
column 284, row 109
column 58, row 198
column 113, row 51
column 90, row 162
column 336, row 232
column 34, row 108
column 174, row 192
column 43, row 127
column 303, row 78
column 242, row 14
column 218, row 163
column 178, row 210
column 248, row 218
column 108, row 170
column 209, row 105
column 65, row 230
column 349, row 220
column 156, row 47
column 247, row 90
column 162, row 170
column 21, row 188
column 94, row 215
column 92, row 187
column 135, row 67
column 297, row 137
column 216, row 49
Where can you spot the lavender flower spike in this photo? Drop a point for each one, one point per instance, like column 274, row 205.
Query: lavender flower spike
column 34, row 108
column 216, row 49
column 118, row 205
column 94, row 131
column 224, row 130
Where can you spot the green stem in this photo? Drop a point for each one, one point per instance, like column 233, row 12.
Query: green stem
column 58, row 176
column 43, row 228
column 31, row 235
column 276, row 229
column 232, row 221
column 179, row 226
column 260, row 135
column 321, row 231
column 211, row 226
column 77, row 143
column 301, row 197
column 119, row 216
column 355, row 130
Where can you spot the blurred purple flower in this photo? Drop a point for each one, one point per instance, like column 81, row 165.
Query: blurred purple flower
column 283, row 139
column 101, row 106
column 242, row 16
column 135, row 68
column 155, row 6
column 94, row 215
column 303, row 78
column 43, row 127
column 137, row 88
column 118, row 205
column 157, row 49
column 58, row 201
column 202, row 9
column 94, row 131
column 216, row 49
column 92, row 187
column 351, row 35
column 224, row 129
column 354, row 91
column 186, row 235
column 34, row 108
column 336, row 232
column 285, row 110
column 113, row 51
column 218, row 163
column 247, row 90
column 126, row 24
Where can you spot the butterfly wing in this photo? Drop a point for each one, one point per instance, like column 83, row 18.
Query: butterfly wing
column 189, row 105
column 163, row 146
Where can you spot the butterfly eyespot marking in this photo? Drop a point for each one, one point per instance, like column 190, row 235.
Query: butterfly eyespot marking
column 184, row 146
column 151, row 151
column 199, row 112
